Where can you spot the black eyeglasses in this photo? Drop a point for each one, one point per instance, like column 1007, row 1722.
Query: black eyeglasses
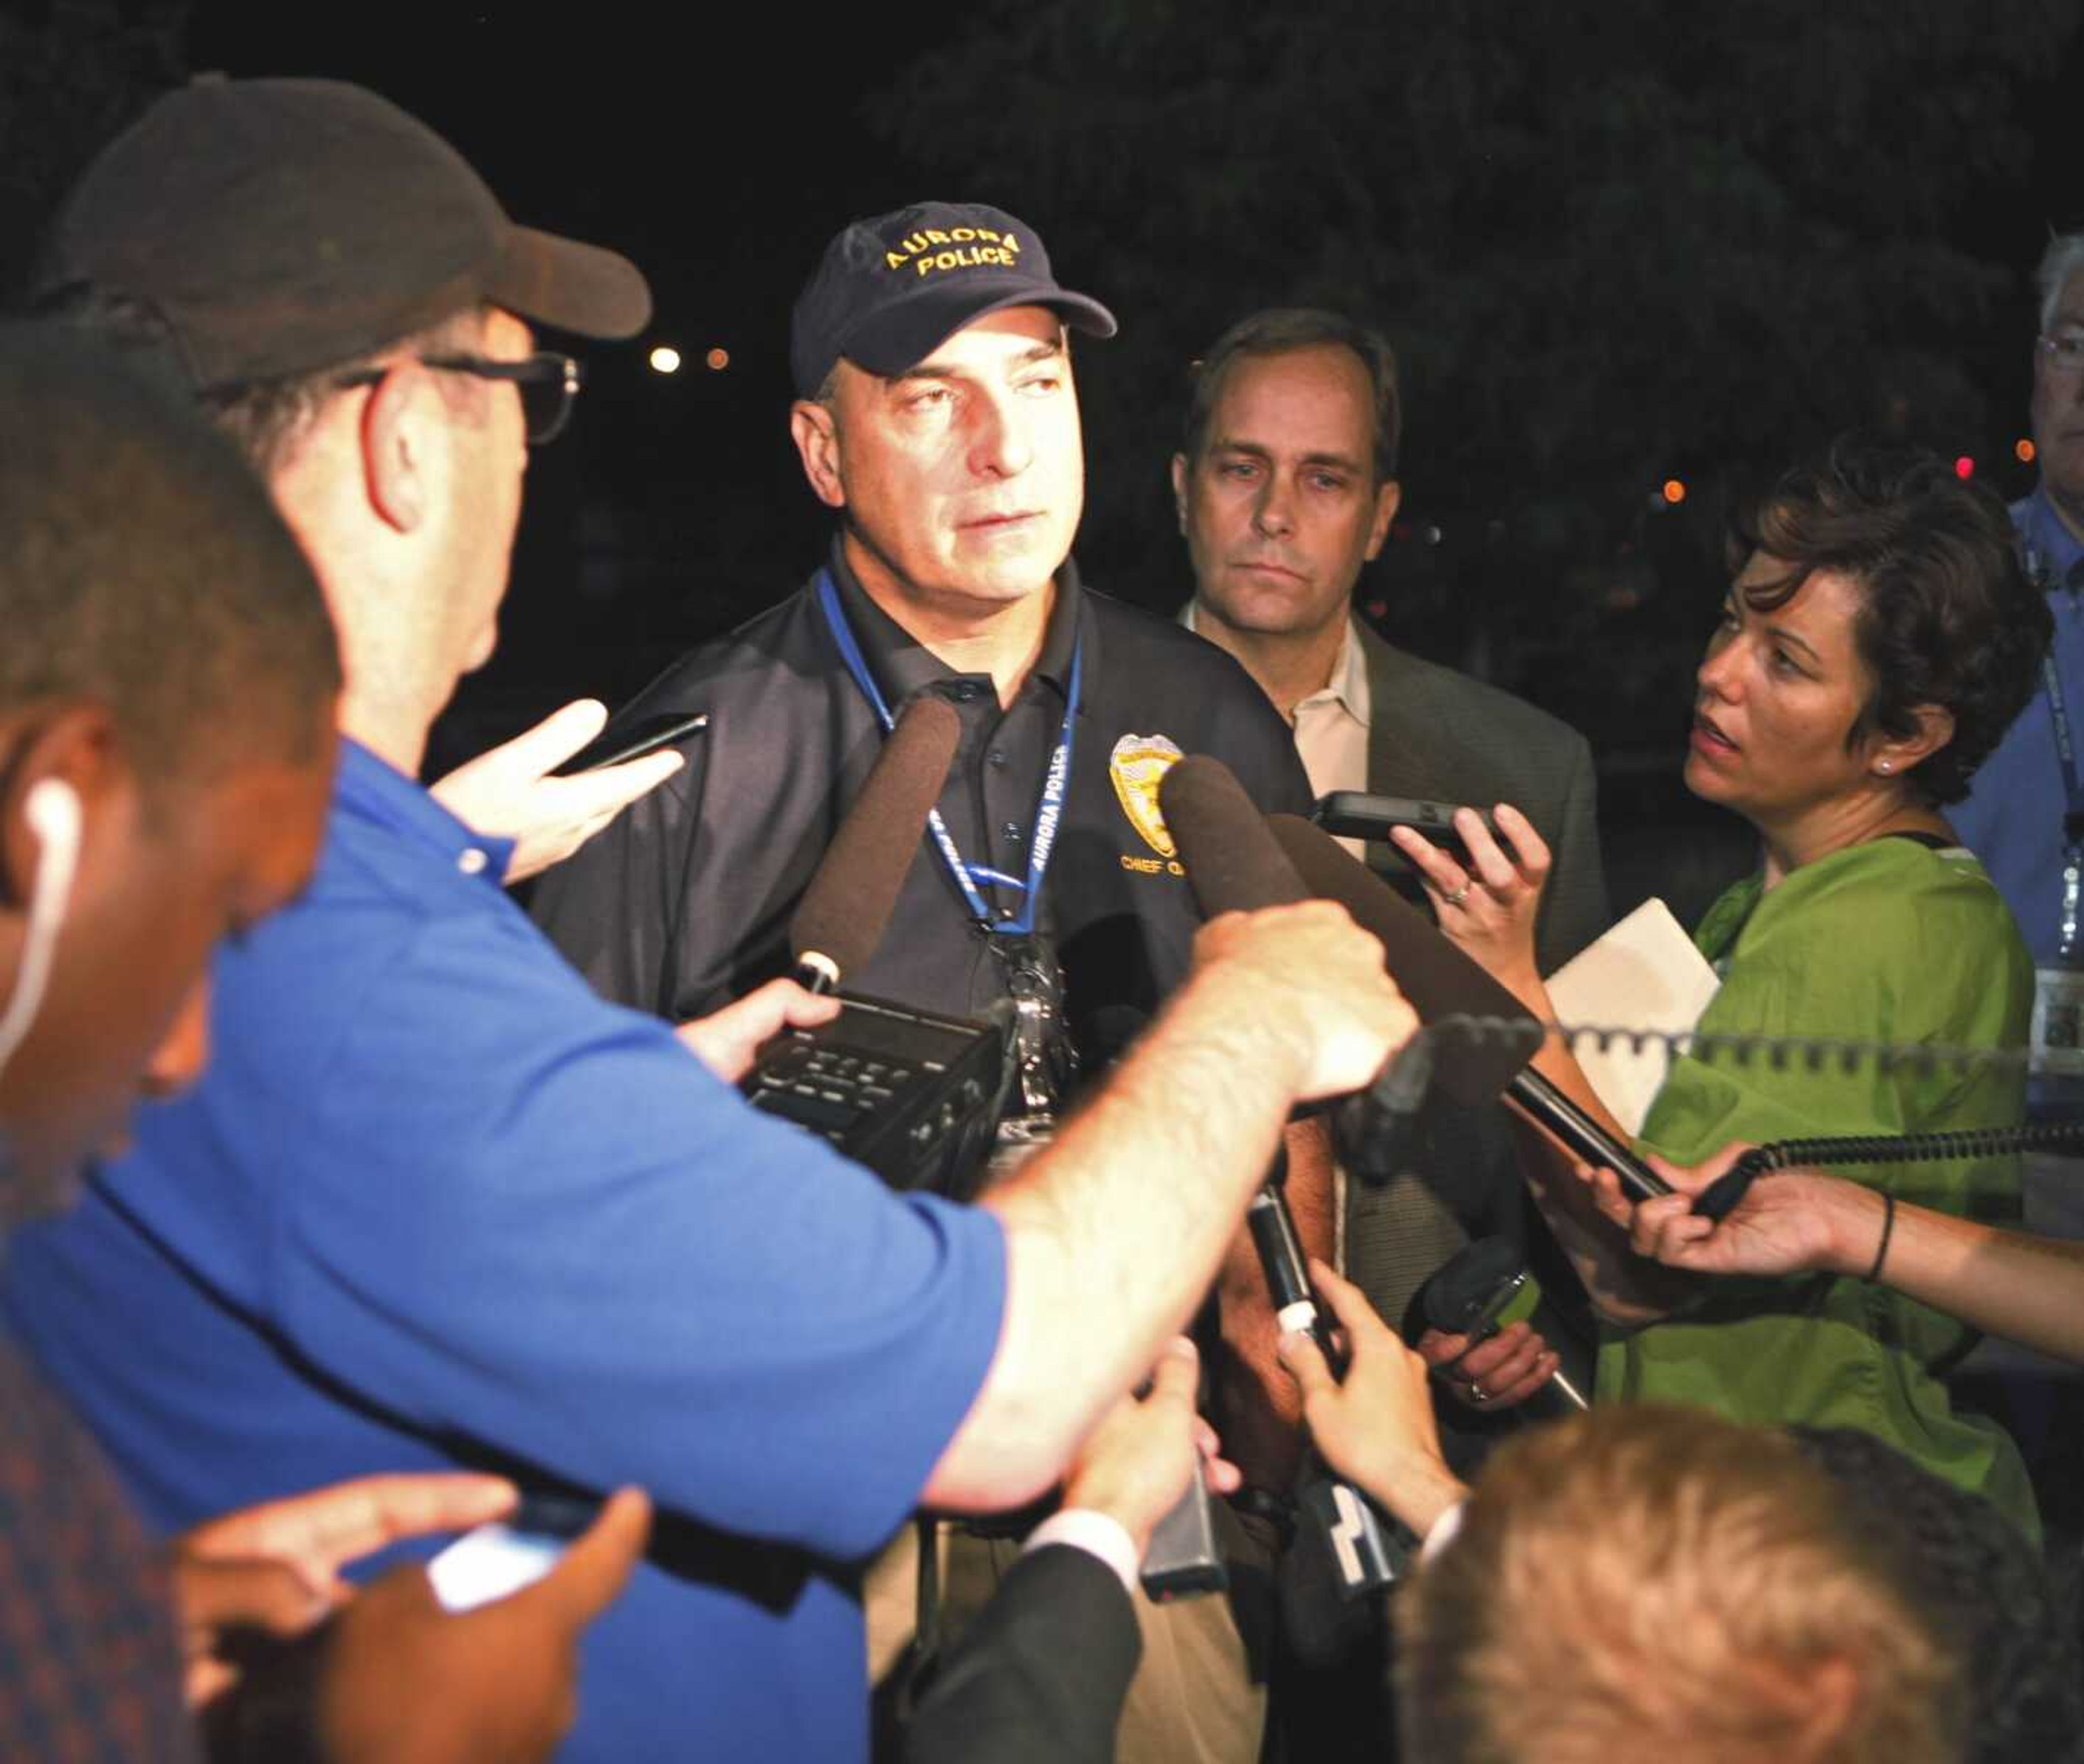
column 547, row 383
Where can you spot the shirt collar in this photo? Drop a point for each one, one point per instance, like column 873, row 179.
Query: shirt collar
column 2059, row 551
column 1348, row 684
column 380, row 791
column 903, row 666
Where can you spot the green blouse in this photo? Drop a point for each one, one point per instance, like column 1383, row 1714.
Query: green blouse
column 1885, row 941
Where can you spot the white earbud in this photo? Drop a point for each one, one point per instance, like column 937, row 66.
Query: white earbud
column 51, row 811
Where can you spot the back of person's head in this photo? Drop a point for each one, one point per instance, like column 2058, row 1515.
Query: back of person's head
column 1642, row 1585
column 267, row 235
column 167, row 693
column 1980, row 1580
column 144, row 570
column 1947, row 616
column 1281, row 331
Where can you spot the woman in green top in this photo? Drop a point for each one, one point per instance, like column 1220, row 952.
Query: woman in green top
column 1877, row 639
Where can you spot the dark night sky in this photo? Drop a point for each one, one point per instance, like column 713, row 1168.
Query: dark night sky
column 720, row 156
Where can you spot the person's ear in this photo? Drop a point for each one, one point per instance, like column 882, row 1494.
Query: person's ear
column 1180, row 489
column 62, row 767
column 1932, row 727
column 1386, row 500
column 398, row 439
column 816, row 434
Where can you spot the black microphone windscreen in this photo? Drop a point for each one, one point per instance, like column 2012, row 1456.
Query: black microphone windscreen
column 1436, row 977
column 843, row 914
column 1232, row 864
column 1462, row 1287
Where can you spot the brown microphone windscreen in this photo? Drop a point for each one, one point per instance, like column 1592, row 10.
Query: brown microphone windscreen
column 843, row 914
column 1232, row 864
column 1436, row 977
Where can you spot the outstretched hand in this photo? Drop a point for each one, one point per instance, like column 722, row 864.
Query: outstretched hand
column 275, row 1568
column 1378, row 1427
column 1309, row 974
column 1498, row 1373
column 1136, row 1462
column 729, row 1041
column 1489, row 905
column 510, row 793
column 1788, row 1222
column 406, row 1682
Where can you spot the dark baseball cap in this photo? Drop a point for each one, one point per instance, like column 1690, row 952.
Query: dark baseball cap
column 278, row 226
column 889, row 289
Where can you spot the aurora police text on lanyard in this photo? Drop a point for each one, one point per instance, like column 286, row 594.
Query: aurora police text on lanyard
column 1048, row 809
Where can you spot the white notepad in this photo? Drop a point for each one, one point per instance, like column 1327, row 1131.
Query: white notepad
column 1645, row 973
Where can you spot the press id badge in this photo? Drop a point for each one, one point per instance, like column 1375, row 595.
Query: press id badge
column 2058, row 1023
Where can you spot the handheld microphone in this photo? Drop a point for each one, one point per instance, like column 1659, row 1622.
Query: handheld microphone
column 1441, row 983
column 844, row 913
column 1486, row 1288
column 1341, row 1542
column 913, row 1095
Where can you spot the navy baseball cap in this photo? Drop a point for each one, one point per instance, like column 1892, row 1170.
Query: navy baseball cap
column 278, row 226
column 887, row 291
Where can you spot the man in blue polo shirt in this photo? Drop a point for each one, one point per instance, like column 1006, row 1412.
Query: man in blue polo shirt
column 2029, row 794
column 437, row 1203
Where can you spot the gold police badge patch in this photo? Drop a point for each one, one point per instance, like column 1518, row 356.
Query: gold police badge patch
column 1136, row 765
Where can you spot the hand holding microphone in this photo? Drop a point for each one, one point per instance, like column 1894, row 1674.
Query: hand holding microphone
column 1487, row 906
column 1341, row 1551
column 1488, row 1334
column 1442, row 982
column 1298, row 967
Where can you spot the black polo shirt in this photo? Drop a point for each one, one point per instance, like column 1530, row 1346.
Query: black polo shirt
column 683, row 902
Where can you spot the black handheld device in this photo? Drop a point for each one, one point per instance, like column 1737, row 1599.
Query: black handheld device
column 1356, row 814
column 620, row 741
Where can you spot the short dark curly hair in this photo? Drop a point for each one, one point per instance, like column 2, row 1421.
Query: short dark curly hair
column 1947, row 615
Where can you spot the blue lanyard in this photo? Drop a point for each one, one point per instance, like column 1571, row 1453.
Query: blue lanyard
column 2070, row 919
column 1048, row 810
column 2065, row 746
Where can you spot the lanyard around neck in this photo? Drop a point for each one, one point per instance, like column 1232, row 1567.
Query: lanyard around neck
column 2069, row 921
column 1048, row 808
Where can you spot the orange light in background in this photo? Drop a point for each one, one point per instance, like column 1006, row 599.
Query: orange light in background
column 2022, row 450
column 718, row 360
column 1964, row 467
column 665, row 359
column 1675, row 491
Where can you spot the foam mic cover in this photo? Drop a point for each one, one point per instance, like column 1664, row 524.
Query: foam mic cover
column 1440, row 981
column 843, row 914
column 1233, row 863
column 1436, row 977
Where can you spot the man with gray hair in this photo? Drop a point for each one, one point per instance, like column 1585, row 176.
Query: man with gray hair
column 2024, row 816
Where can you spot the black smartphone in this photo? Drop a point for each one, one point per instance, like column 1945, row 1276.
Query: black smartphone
column 1354, row 814
column 621, row 741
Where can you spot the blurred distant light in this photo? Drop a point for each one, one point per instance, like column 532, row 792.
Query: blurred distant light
column 1675, row 491
column 1964, row 467
column 665, row 359
column 718, row 360
column 2022, row 450
column 1434, row 536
